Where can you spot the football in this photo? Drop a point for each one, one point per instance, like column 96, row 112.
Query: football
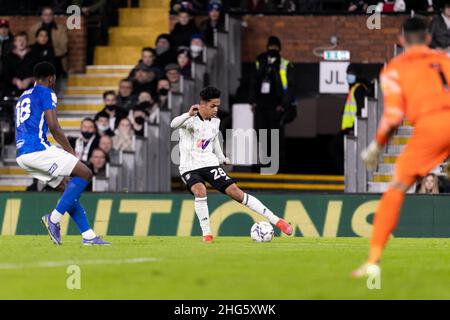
column 262, row 232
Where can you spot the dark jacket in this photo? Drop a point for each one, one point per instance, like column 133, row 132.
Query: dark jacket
column 16, row 67
column 44, row 53
column 165, row 58
column 127, row 103
column 440, row 33
column 181, row 35
column 207, row 28
column 266, row 72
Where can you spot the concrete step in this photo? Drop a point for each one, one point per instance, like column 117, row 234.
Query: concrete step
column 12, row 170
column 394, row 149
column 85, row 90
column 141, row 17
column 79, row 108
column 135, row 36
column 389, row 159
column 386, row 168
column 7, row 188
column 405, row 131
column 111, row 79
column 81, row 99
column 154, row 4
column 99, row 69
column 399, row 140
column 15, row 180
column 381, row 177
column 380, row 187
column 78, row 114
column 113, row 55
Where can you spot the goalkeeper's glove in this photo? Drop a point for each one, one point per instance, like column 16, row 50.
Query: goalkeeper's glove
column 370, row 155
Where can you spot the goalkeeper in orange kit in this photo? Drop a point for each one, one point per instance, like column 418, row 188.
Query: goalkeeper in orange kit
column 415, row 85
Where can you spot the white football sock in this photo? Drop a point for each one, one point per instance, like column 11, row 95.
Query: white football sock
column 201, row 209
column 252, row 203
column 55, row 216
column 88, row 234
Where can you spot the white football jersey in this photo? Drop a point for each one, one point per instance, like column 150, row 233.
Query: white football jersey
column 199, row 144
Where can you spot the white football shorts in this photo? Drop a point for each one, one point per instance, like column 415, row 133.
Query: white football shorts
column 49, row 166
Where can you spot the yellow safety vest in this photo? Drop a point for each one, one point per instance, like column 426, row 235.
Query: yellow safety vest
column 283, row 72
column 350, row 109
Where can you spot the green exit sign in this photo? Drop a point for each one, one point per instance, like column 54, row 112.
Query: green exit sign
column 336, row 55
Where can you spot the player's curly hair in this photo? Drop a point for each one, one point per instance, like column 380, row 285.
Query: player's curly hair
column 43, row 70
column 209, row 93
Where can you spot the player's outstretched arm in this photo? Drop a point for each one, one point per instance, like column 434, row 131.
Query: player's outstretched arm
column 180, row 120
column 57, row 132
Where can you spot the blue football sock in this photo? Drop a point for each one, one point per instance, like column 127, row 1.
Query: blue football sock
column 78, row 215
column 73, row 191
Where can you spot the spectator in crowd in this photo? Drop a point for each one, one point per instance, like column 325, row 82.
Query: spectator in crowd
column 429, row 184
column 148, row 56
column 106, row 143
column 139, row 117
column 18, row 66
column 183, row 30
column 114, row 111
column 144, row 79
column 291, row 6
column 163, row 89
column 97, row 162
column 153, row 112
column 271, row 92
column 164, row 52
column 214, row 23
column 103, row 125
column 358, row 88
column 123, row 138
column 440, row 28
column 87, row 141
column 151, row 106
column 42, row 49
column 58, row 38
column 6, row 45
column 126, row 99
column 173, row 75
column 184, row 62
column 146, row 96
column 258, row 6
column 196, row 47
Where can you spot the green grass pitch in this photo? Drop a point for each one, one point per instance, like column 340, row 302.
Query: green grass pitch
column 231, row 268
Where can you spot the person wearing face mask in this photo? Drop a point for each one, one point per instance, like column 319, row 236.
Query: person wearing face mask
column 139, row 117
column 87, row 141
column 272, row 91
column 114, row 111
column 102, row 123
column 196, row 47
column 164, row 52
column 163, row 88
column 354, row 103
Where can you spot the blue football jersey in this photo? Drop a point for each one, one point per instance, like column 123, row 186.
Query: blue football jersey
column 31, row 126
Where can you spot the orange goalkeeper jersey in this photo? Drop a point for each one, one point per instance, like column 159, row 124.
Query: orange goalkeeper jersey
column 415, row 84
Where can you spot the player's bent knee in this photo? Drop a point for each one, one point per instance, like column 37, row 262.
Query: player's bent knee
column 399, row 186
column 199, row 190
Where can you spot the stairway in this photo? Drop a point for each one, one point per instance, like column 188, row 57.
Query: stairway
column 82, row 97
column 384, row 174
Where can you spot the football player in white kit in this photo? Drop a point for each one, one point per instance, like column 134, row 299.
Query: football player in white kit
column 200, row 157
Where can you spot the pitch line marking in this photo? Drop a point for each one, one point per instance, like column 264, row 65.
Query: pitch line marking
column 52, row 264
